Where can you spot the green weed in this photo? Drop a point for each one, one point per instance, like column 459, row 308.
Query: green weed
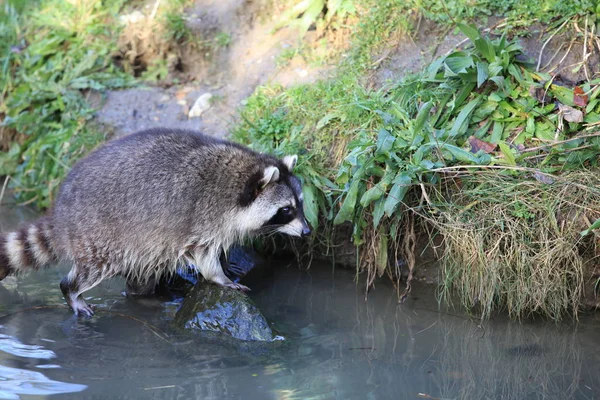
column 176, row 27
column 286, row 56
column 222, row 39
column 306, row 13
column 52, row 53
column 373, row 155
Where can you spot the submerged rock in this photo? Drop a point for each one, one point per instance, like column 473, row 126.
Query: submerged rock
column 209, row 307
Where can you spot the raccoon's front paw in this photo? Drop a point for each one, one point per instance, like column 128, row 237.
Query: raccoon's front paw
column 84, row 310
column 237, row 286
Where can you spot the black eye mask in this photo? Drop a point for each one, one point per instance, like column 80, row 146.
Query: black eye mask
column 284, row 216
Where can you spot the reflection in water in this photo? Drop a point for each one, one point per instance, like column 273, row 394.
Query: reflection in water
column 16, row 381
column 337, row 346
column 12, row 346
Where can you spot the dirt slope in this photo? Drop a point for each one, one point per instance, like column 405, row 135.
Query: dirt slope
column 230, row 73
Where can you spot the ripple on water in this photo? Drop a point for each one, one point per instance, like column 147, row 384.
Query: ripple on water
column 16, row 381
column 10, row 345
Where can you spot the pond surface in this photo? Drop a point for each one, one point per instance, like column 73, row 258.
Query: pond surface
column 337, row 345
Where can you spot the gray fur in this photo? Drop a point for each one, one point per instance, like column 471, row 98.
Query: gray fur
column 140, row 205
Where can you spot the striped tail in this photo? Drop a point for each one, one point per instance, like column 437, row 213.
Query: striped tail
column 26, row 249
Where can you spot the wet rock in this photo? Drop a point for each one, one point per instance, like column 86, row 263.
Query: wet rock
column 209, row 307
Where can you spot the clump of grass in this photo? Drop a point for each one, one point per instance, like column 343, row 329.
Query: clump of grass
column 52, row 53
column 513, row 243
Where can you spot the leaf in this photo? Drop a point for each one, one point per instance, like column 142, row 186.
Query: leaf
column 378, row 212
column 479, row 145
column 509, row 157
column 499, row 81
column 375, row 170
column 422, row 117
column 486, row 48
column 482, row 73
column 564, row 94
column 458, row 62
column 375, row 193
column 332, row 8
column 483, row 45
column 530, row 127
column 347, row 209
column 325, row 120
column 570, row 114
column 435, row 67
column 462, row 154
column 516, row 73
column 311, row 207
column 469, row 31
column 310, row 15
column 591, row 106
column 402, row 183
column 544, row 178
column 461, row 121
column 595, row 225
column 382, row 255
column 580, row 99
column 385, row 142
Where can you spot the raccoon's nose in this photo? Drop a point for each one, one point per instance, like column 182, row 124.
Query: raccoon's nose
column 305, row 231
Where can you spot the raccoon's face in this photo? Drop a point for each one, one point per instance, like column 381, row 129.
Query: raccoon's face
column 276, row 201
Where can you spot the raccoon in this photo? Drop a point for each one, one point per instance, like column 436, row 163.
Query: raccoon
column 141, row 205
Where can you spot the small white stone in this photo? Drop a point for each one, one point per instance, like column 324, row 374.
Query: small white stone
column 202, row 104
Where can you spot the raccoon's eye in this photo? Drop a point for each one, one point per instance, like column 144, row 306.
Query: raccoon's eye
column 286, row 210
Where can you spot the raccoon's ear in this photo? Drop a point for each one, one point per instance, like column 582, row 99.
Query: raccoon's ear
column 270, row 174
column 256, row 183
column 290, row 161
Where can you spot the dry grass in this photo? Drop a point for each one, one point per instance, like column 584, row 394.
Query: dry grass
column 516, row 244
column 147, row 39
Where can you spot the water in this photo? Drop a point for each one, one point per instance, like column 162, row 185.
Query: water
column 338, row 346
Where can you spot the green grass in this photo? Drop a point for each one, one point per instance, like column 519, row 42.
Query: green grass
column 51, row 53
column 176, row 28
column 222, row 39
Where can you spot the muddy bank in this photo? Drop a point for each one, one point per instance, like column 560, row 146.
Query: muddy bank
column 243, row 52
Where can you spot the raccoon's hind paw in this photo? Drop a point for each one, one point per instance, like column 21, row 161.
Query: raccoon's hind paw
column 237, row 286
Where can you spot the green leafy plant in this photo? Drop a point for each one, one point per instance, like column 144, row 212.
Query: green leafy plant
column 387, row 151
column 51, row 58
column 307, row 12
